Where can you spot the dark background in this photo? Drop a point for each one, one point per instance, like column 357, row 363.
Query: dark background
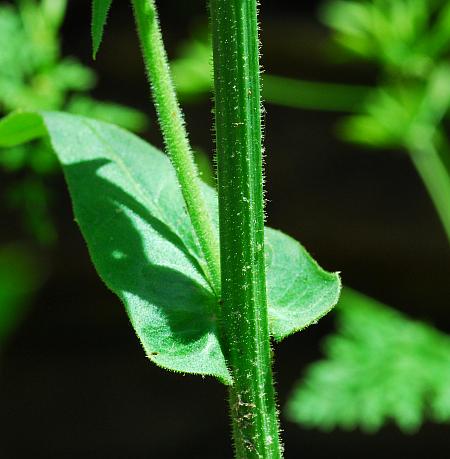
column 74, row 382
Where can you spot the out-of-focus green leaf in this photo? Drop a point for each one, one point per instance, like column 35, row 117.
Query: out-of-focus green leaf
column 15, row 55
column 34, row 76
column 32, row 198
column 379, row 366
column 70, row 75
column 54, row 11
column 388, row 117
column 404, row 36
column 20, row 127
column 19, row 278
column 14, row 158
column 100, row 9
column 192, row 70
column 126, row 117
column 205, row 168
column 352, row 21
column 397, row 116
column 439, row 41
column 192, row 73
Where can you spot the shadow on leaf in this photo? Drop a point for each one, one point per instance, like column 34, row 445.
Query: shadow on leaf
column 148, row 266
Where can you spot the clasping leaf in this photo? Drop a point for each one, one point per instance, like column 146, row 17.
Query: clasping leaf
column 129, row 207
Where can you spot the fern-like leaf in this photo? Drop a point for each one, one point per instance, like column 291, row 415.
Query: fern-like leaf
column 380, row 366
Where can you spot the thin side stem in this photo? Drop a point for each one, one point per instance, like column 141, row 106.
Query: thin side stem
column 175, row 135
column 434, row 175
column 245, row 331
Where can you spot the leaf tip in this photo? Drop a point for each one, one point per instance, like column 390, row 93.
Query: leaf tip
column 100, row 9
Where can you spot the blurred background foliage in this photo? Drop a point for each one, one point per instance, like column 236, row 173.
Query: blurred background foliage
column 20, row 277
column 379, row 365
column 34, row 75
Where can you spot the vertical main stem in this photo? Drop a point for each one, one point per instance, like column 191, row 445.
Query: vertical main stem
column 175, row 136
column 244, row 321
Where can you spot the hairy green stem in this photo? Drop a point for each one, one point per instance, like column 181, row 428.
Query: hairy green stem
column 434, row 175
column 175, row 136
column 245, row 331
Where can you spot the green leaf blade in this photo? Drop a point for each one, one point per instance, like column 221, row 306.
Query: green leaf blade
column 299, row 291
column 129, row 207
column 100, row 9
column 130, row 210
column 20, row 127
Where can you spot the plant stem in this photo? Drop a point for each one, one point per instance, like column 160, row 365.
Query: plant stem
column 175, row 135
column 245, row 331
column 434, row 175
